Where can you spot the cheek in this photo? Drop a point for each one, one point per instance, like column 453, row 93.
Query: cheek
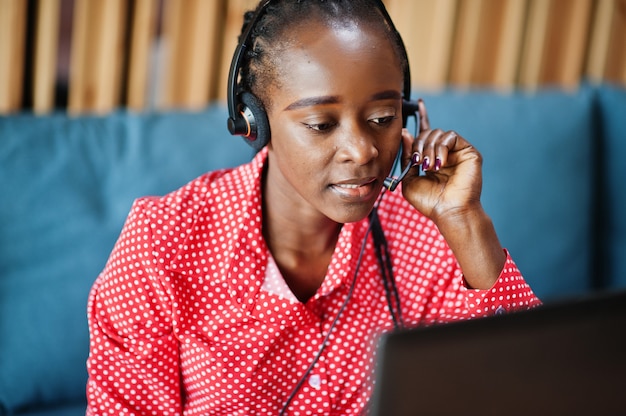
column 287, row 147
column 294, row 159
column 391, row 144
column 298, row 153
column 303, row 166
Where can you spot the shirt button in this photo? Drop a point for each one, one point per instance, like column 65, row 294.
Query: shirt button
column 315, row 381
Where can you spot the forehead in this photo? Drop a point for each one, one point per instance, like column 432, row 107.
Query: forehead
column 338, row 57
column 314, row 32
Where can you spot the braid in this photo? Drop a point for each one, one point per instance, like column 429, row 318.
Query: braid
column 260, row 64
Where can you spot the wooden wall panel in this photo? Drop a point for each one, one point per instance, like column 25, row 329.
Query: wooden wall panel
column 599, row 39
column 142, row 38
column 616, row 57
column 509, row 41
column 192, row 35
column 503, row 44
column 232, row 28
column 565, row 42
column 532, row 52
column 487, row 43
column 466, row 42
column 555, row 45
column 427, row 29
column 45, row 59
column 12, row 38
column 97, row 54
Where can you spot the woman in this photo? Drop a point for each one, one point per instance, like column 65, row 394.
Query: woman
column 262, row 289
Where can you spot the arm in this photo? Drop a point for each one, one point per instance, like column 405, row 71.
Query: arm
column 449, row 194
column 133, row 361
column 473, row 240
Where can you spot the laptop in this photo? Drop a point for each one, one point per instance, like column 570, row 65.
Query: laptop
column 565, row 358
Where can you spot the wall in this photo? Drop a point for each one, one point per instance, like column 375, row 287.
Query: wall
column 164, row 54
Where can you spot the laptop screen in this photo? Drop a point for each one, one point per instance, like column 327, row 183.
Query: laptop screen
column 566, row 358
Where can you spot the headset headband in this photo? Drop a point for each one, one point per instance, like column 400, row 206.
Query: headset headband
column 244, row 122
column 234, row 118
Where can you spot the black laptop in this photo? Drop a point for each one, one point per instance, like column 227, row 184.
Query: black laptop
column 566, row 358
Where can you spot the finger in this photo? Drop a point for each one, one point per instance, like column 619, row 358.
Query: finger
column 412, row 147
column 422, row 146
column 423, row 115
column 447, row 142
column 407, row 145
column 429, row 148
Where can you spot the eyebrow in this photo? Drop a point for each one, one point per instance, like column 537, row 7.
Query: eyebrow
column 312, row 101
column 331, row 99
column 387, row 95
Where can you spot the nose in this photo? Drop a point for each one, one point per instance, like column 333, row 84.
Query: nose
column 357, row 145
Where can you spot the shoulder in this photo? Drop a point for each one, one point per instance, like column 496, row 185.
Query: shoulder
column 185, row 201
column 217, row 193
column 160, row 229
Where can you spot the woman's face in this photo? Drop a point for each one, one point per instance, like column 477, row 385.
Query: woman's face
column 335, row 116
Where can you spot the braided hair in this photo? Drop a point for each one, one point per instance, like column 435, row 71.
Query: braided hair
column 260, row 66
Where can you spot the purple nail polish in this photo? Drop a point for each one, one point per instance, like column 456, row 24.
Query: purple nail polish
column 426, row 163
column 415, row 158
column 437, row 163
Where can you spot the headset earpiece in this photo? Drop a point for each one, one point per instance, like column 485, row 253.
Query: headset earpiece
column 409, row 109
column 252, row 123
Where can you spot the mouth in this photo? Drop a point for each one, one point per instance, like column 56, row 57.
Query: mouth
column 356, row 189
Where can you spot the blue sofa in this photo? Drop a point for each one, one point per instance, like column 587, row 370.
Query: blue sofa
column 553, row 186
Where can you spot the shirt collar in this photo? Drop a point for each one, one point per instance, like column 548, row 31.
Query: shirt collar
column 246, row 257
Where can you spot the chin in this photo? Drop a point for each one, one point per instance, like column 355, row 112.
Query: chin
column 349, row 214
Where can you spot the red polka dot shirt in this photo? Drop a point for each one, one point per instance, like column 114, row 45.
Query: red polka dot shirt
column 191, row 316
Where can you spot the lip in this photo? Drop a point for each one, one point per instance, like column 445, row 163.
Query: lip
column 357, row 189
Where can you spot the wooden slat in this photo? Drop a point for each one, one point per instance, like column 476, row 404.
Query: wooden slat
column 170, row 38
column 556, row 43
column 568, row 29
column 487, row 42
column 45, row 59
column 508, row 54
column 141, row 42
column 192, row 35
column 466, row 39
column 231, row 29
column 208, row 38
column 12, row 38
column 599, row 39
column 533, row 49
column 616, row 57
column 96, row 55
column 78, row 57
column 419, row 23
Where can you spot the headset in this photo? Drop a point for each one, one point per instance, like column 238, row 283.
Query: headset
column 246, row 114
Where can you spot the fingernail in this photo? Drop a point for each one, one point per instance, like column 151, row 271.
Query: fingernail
column 437, row 163
column 426, row 163
column 415, row 158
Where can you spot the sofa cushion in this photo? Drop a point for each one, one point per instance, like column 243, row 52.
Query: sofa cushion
column 536, row 186
column 78, row 409
column 610, row 180
column 67, row 185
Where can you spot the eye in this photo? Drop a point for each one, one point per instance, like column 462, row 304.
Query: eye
column 383, row 121
column 319, row 127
